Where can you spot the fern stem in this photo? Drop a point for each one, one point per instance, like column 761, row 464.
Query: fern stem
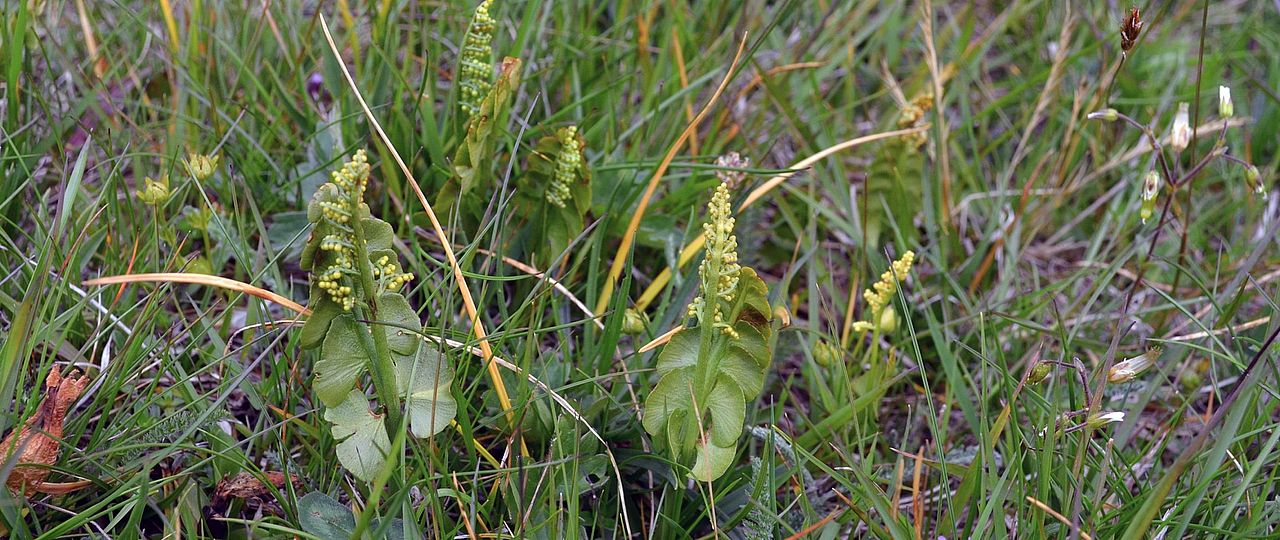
column 380, row 366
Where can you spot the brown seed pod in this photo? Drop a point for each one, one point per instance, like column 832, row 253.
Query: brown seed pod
column 37, row 441
column 1130, row 27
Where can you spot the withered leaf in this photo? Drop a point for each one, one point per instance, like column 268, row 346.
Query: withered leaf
column 250, row 488
column 37, row 441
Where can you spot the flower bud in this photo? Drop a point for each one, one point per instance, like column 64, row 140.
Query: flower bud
column 154, row 191
column 1225, row 108
column 1252, row 177
column 1190, row 382
column 634, row 322
column 1097, row 420
column 825, row 354
column 1132, row 367
column 1106, row 115
column 1039, row 373
column 201, row 166
column 1150, row 188
column 1180, row 133
column 888, row 320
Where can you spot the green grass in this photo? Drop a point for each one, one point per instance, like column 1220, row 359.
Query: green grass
column 1029, row 251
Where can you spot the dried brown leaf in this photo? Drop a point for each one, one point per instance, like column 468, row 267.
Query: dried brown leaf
column 38, row 440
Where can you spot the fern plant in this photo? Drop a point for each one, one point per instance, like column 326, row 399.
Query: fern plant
column 709, row 372
column 896, row 174
column 358, row 317
column 468, row 189
column 555, row 194
column 475, row 63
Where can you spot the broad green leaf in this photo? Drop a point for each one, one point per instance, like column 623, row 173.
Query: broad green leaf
column 668, row 406
column 755, row 298
column 377, row 234
column 362, row 437
column 323, row 312
column 325, row 517
column 713, row 461
column 673, row 393
column 425, row 380
column 343, row 358
column 395, row 310
column 737, row 362
column 682, row 434
column 312, row 247
column 705, row 423
column 326, row 193
column 728, row 412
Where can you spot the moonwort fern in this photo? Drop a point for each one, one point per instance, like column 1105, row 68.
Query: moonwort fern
column 358, row 321
column 471, row 185
column 475, row 63
column 709, row 372
column 895, row 174
column 554, row 194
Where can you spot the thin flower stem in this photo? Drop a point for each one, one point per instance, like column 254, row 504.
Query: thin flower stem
column 1155, row 145
column 1186, row 177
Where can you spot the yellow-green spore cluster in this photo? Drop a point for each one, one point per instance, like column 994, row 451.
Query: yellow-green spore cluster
column 719, row 270
column 475, row 64
column 878, row 313
column 349, row 182
column 567, row 163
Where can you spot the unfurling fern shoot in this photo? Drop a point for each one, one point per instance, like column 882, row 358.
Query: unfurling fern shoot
column 475, row 63
column 358, row 321
column 708, row 373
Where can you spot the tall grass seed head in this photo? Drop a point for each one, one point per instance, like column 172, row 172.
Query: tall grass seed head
column 1130, row 29
column 911, row 115
column 202, row 166
column 1180, row 132
column 475, row 63
column 1226, row 108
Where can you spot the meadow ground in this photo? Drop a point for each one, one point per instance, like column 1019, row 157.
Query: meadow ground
column 222, row 319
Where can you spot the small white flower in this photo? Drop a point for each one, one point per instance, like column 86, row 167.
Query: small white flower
column 1098, row 420
column 1180, row 134
column 1150, row 188
column 1150, row 185
column 1225, row 108
column 1131, row 367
